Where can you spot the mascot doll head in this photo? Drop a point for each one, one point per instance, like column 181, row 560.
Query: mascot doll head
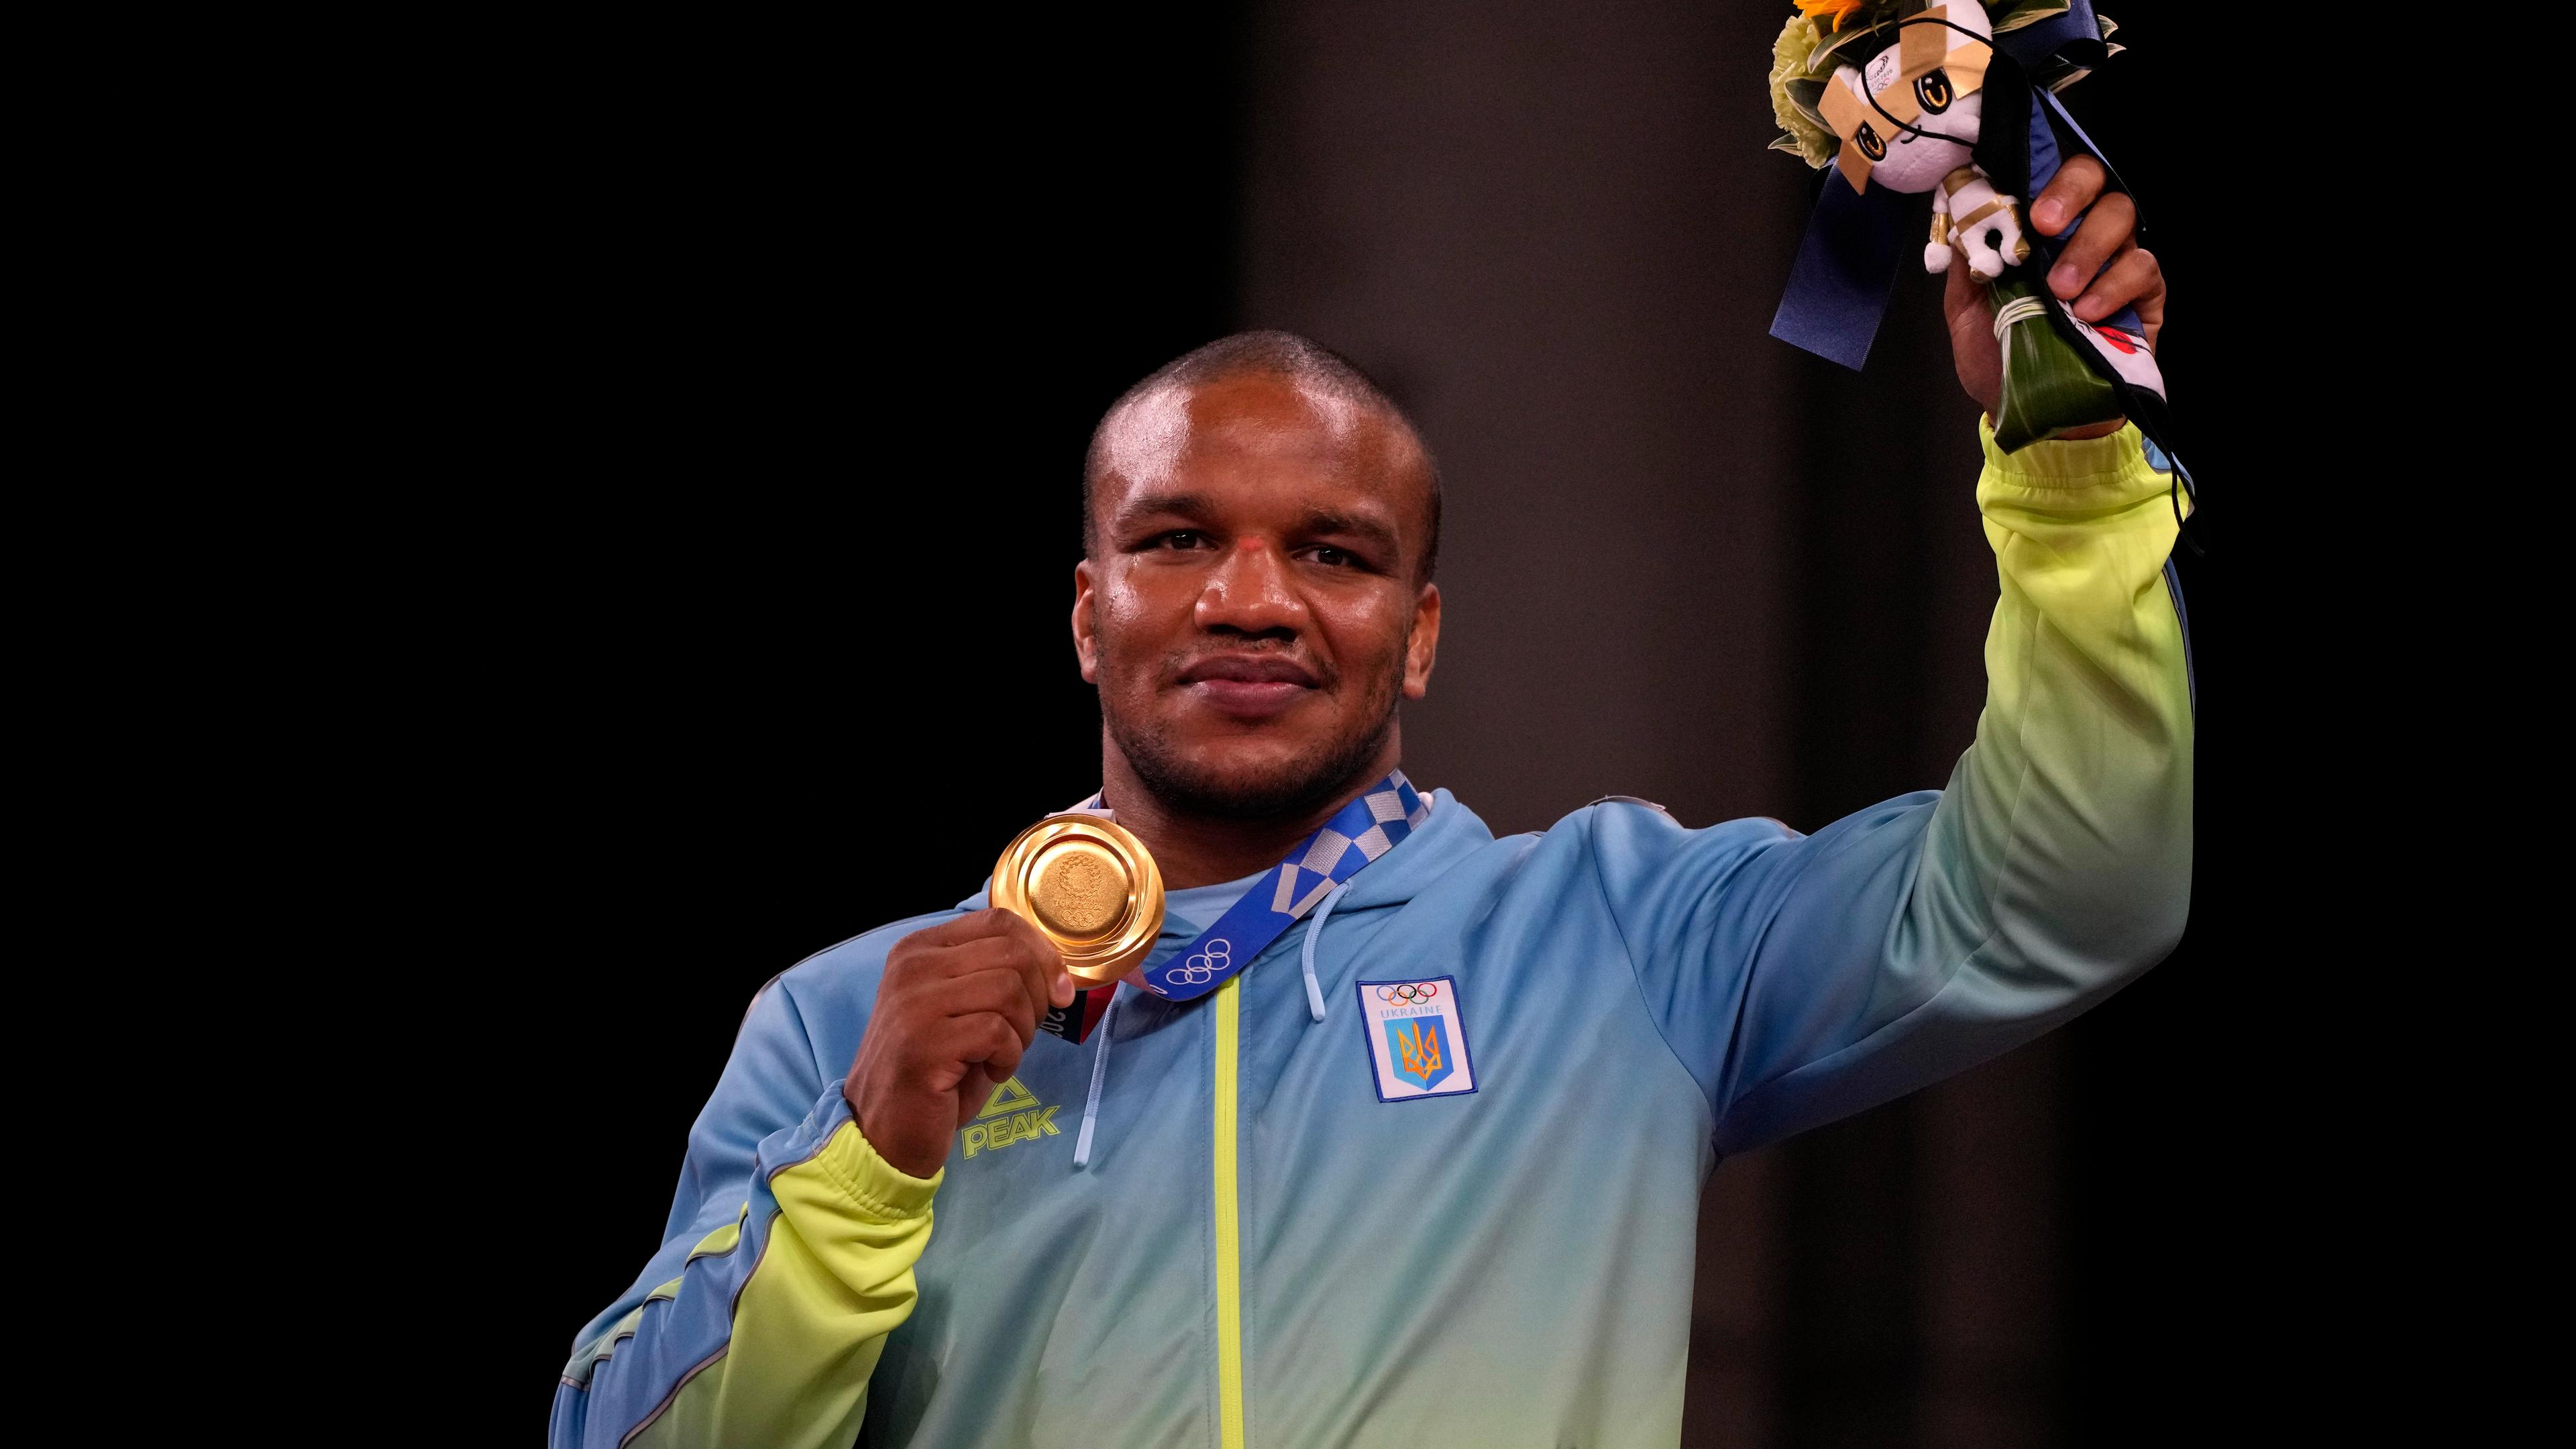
column 1909, row 116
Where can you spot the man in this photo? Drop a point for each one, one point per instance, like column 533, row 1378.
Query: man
column 1423, row 1170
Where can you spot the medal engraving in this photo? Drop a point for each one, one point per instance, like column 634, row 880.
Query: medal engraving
column 1076, row 893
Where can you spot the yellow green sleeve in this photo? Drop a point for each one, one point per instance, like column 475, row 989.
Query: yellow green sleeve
column 836, row 1279
column 2072, row 812
column 770, row 1333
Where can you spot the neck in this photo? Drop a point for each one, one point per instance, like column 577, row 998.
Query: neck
column 1195, row 849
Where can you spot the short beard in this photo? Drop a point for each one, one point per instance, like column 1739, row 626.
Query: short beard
column 1302, row 785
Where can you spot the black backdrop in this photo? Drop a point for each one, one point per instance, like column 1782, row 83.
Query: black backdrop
column 750, row 500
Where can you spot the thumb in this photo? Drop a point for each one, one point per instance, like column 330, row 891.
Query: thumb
column 1963, row 296
column 1970, row 306
column 973, row 1091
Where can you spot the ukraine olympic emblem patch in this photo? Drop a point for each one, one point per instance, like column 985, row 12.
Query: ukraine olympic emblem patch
column 1417, row 1038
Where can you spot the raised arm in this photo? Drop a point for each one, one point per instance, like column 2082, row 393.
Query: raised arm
column 1802, row 979
column 1805, row 978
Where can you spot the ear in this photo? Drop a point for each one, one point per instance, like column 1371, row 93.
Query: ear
column 1423, row 648
column 1086, row 644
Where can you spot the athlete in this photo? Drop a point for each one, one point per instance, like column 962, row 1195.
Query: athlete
column 1423, row 1169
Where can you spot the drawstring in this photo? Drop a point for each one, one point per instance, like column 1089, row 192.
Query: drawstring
column 1315, row 993
column 1099, row 1074
column 1100, row 1061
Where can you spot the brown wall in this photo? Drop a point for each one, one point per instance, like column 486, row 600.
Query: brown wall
column 1547, row 233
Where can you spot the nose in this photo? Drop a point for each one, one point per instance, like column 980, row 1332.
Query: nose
column 1250, row 592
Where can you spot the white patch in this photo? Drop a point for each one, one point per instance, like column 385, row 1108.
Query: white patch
column 1417, row 1038
column 1882, row 70
column 2123, row 352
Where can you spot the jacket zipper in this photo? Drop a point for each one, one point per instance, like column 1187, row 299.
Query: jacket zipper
column 1229, row 1245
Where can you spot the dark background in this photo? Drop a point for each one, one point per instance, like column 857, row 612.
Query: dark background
column 751, row 490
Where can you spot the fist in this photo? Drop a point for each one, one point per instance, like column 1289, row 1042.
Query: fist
column 956, row 1007
column 2101, row 269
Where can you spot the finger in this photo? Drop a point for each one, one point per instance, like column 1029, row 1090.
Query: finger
column 1049, row 983
column 2066, row 195
column 986, row 1041
column 1961, row 293
column 985, row 953
column 973, row 1090
column 2107, row 227
column 1019, row 949
column 932, row 1009
column 972, row 926
column 2130, row 277
column 997, row 993
column 2151, row 303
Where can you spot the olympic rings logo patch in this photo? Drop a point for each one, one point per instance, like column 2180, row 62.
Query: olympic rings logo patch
column 1204, row 965
column 1417, row 1038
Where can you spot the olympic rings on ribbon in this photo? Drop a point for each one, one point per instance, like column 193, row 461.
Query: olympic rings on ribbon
column 1204, row 965
column 1410, row 993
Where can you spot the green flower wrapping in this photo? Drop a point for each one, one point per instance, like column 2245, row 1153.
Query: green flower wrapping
column 2050, row 387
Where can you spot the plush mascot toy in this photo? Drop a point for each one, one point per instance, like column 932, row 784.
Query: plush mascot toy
column 1909, row 120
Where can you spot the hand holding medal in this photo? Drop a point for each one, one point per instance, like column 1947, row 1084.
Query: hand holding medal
column 957, row 1005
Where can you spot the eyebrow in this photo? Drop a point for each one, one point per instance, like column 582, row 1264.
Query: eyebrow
column 1199, row 506
column 1145, row 505
column 1352, row 525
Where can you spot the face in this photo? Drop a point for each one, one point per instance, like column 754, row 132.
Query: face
column 1250, row 610
column 1912, row 160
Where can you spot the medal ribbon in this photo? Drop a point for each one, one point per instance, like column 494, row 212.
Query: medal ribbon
column 1358, row 833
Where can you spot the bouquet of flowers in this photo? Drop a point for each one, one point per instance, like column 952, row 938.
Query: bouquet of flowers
column 1915, row 96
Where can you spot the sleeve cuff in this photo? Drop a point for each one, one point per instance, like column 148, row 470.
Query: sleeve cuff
column 878, row 1188
column 2114, row 458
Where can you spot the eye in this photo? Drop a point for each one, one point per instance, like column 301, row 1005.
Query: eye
column 1933, row 90
column 1180, row 538
column 1870, row 146
column 1334, row 558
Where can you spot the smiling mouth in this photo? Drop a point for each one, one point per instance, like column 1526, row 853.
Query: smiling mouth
column 1249, row 688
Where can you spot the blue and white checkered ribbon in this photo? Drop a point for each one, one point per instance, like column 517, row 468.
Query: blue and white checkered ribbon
column 1358, row 833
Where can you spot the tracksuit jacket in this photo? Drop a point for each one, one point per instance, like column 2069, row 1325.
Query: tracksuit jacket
column 1268, row 1240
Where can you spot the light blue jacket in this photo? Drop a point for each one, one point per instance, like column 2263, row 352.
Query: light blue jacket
column 1266, row 1245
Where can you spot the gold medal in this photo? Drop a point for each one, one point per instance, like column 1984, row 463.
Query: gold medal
column 1090, row 888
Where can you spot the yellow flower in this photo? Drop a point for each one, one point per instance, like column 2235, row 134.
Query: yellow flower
column 1805, row 139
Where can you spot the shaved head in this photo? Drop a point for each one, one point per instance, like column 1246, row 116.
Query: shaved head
column 1151, row 422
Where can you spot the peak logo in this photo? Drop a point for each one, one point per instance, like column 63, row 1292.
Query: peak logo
column 1013, row 1116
